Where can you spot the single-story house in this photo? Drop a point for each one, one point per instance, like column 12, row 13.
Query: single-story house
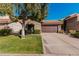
column 4, row 21
column 51, row 25
column 17, row 26
column 71, row 23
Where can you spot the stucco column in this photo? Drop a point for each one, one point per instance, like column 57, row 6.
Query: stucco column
column 59, row 27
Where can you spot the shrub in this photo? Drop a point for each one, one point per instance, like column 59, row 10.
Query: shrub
column 76, row 34
column 61, row 31
column 4, row 32
column 72, row 31
column 37, row 31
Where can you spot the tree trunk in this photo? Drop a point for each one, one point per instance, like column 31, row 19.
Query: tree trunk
column 23, row 31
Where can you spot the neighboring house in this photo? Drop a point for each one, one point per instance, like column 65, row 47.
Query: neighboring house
column 51, row 26
column 4, row 21
column 71, row 23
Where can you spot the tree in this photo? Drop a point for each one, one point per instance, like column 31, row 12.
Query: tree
column 23, row 16
column 37, row 11
column 5, row 8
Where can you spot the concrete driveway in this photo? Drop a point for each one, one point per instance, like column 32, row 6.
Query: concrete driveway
column 60, row 44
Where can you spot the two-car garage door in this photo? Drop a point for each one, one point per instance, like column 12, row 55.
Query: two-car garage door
column 49, row 28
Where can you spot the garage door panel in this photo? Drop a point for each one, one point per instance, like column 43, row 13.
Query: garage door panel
column 49, row 28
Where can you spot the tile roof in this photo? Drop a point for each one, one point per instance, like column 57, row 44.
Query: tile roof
column 51, row 22
column 72, row 16
column 5, row 19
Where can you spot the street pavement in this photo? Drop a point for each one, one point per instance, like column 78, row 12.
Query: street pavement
column 57, row 44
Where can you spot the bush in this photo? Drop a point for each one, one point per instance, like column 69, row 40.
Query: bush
column 5, row 32
column 76, row 34
column 72, row 31
column 37, row 31
column 61, row 31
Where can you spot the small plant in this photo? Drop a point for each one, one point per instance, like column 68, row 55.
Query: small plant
column 72, row 31
column 76, row 34
column 37, row 31
column 61, row 31
column 5, row 32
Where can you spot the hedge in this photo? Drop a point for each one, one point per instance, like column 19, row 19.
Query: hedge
column 4, row 32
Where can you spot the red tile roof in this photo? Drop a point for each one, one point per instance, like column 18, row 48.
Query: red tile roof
column 5, row 19
column 51, row 22
column 72, row 16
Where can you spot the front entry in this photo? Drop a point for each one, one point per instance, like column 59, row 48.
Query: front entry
column 30, row 28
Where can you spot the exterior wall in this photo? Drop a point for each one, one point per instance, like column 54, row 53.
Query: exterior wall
column 59, row 27
column 77, row 26
column 78, row 18
column 37, row 25
column 71, row 24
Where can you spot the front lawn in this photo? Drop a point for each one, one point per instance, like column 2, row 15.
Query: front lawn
column 13, row 44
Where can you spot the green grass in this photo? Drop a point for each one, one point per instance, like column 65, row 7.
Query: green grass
column 13, row 44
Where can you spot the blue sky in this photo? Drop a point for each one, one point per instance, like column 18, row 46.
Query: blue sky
column 58, row 11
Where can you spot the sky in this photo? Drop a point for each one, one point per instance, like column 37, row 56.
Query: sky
column 57, row 11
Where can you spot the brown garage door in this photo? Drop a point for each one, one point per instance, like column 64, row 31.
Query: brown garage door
column 49, row 28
